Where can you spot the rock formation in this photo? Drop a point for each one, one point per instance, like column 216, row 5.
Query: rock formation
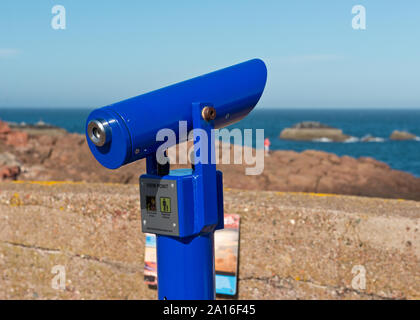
column 312, row 130
column 12, row 137
column 402, row 135
column 39, row 128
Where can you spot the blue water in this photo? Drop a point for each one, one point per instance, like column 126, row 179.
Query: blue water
column 401, row 155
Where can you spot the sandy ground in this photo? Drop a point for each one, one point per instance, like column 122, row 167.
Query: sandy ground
column 292, row 245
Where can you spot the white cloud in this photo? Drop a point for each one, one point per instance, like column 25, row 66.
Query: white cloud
column 8, row 52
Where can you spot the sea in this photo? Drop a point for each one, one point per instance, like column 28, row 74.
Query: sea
column 358, row 123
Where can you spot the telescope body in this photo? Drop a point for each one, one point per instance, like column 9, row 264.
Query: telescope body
column 182, row 207
column 126, row 131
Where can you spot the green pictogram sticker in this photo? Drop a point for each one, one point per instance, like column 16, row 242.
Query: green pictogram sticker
column 165, row 204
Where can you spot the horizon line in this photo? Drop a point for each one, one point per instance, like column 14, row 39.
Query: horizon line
column 256, row 108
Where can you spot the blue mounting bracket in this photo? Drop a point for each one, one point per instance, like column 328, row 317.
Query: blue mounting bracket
column 184, row 208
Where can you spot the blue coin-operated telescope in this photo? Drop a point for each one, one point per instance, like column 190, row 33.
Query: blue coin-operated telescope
column 182, row 207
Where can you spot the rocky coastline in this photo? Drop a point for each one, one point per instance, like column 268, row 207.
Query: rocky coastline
column 55, row 155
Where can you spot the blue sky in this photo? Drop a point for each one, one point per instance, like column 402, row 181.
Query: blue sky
column 112, row 50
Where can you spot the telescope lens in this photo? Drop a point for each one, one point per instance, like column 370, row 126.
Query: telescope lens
column 97, row 132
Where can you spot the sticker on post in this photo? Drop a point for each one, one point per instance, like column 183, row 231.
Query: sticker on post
column 226, row 242
column 226, row 245
column 150, row 264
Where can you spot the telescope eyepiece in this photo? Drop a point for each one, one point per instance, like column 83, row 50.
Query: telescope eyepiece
column 99, row 132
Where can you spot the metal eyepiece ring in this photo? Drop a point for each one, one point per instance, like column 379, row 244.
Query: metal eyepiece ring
column 98, row 132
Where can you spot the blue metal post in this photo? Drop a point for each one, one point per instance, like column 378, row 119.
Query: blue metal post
column 186, row 265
